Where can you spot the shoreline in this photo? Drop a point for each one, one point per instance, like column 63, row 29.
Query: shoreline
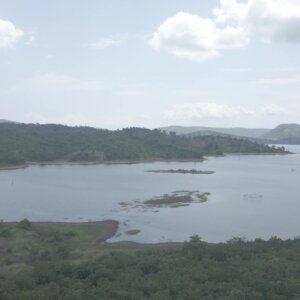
column 127, row 162
column 110, row 229
column 109, row 226
column 254, row 153
column 13, row 167
column 94, row 163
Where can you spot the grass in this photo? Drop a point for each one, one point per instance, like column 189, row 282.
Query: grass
column 21, row 245
column 133, row 232
column 62, row 261
column 174, row 200
column 24, row 245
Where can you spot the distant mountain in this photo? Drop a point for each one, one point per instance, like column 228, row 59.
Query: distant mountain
column 200, row 131
column 208, row 133
column 284, row 133
column 5, row 121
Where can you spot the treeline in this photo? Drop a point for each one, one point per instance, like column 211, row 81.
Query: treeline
column 288, row 141
column 238, row 269
column 22, row 143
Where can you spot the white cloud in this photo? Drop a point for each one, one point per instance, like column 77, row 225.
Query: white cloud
column 272, row 110
column 230, row 11
column 233, row 25
column 54, row 82
column 271, row 20
column 31, row 39
column 113, row 40
column 62, row 83
column 284, row 69
column 201, row 110
column 130, row 89
column 106, row 42
column 186, row 111
column 195, row 38
column 236, row 70
column 9, row 34
column 279, row 81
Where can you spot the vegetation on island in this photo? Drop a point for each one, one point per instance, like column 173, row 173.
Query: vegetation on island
column 24, row 143
column 172, row 200
column 177, row 199
column 133, row 232
column 51, row 261
column 182, row 171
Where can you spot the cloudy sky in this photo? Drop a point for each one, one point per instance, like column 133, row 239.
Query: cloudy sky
column 151, row 63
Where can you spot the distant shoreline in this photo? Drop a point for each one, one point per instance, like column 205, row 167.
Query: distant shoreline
column 126, row 162
column 109, row 227
column 13, row 167
column 181, row 171
column 86, row 163
column 253, row 153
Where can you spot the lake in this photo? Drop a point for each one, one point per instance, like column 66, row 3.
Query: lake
column 252, row 196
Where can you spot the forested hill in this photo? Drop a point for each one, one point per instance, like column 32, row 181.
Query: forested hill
column 284, row 133
column 202, row 130
column 22, row 143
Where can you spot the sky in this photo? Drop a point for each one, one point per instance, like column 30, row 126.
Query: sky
column 114, row 64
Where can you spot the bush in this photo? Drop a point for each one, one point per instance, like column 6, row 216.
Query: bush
column 24, row 224
column 5, row 233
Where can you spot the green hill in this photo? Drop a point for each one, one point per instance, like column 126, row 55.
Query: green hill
column 289, row 133
column 5, row 121
column 23, row 143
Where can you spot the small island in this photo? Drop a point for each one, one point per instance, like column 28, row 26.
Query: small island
column 177, row 199
column 173, row 200
column 182, row 171
column 133, row 232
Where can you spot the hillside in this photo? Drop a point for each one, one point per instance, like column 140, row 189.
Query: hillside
column 22, row 143
column 200, row 130
column 5, row 121
column 285, row 133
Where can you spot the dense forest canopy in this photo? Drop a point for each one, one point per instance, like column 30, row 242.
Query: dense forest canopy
column 67, row 262
column 22, row 143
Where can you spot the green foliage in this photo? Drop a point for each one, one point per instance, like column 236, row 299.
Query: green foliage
column 133, row 232
column 23, row 143
column 24, row 224
column 238, row 269
column 5, row 232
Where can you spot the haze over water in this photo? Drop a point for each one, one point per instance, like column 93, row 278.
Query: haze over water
column 253, row 196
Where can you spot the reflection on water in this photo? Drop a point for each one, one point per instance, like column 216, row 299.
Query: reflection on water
column 251, row 196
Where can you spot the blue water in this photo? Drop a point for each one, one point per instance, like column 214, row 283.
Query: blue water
column 251, row 196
